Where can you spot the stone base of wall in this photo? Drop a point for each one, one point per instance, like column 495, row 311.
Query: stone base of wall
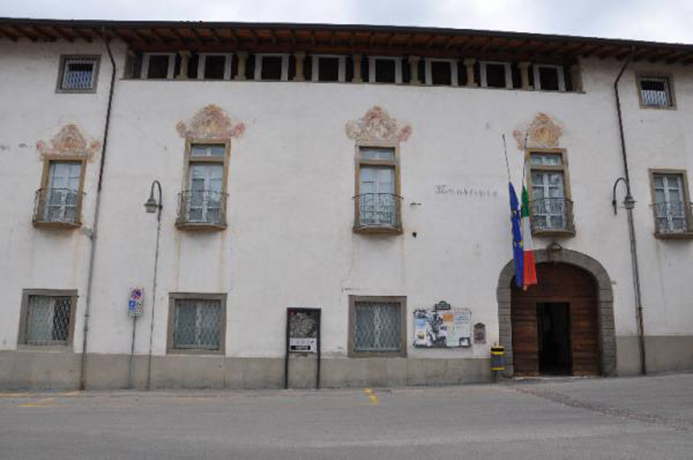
column 664, row 353
column 57, row 370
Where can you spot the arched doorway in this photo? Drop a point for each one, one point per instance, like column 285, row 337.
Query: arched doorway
column 565, row 277
column 554, row 324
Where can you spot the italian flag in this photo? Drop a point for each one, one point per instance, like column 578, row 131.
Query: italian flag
column 530, row 270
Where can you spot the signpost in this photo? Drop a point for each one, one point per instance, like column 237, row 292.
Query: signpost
column 302, row 336
column 135, row 310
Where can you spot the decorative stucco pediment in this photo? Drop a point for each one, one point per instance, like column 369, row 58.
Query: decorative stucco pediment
column 210, row 123
column 544, row 132
column 377, row 126
column 70, row 141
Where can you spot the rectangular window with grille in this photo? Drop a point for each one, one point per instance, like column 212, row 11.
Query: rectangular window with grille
column 549, row 194
column 59, row 200
column 203, row 202
column 78, row 74
column 47, row 317
column 197, row 323
column 377, row 198
column 377, row 326
column 671, row 203
column 655, row 91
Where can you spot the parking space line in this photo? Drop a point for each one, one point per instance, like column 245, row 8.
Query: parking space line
column 372, row 397
column 39, row 403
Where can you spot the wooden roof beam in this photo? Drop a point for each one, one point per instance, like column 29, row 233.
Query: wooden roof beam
column 430, row 41
column 11, row 35
column 410, row 40
column 140, row 36
column 83, row 35
column 451, row 40
column 62, row 34
column 486, row 45
column 198, row 37
column 234, row 36
column 179, row 37
column 119, row 34
column 155, row 33
column 21, row 33
column 675, row 56
column 42, row 34
column 608, row 51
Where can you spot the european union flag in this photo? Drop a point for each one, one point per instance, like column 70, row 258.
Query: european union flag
column 518, row 250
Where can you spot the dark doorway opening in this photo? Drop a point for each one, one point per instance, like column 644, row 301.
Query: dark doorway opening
column 553, row 328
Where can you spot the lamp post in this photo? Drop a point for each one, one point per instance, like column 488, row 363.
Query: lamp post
column 153, row 206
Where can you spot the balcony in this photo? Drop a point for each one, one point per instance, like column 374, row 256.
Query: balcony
column 673, row 220
column 201, row 210
column 378, row 213
column 58, row 207
column 552, row 217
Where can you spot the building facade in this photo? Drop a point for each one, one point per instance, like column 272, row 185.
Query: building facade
column 357, row 170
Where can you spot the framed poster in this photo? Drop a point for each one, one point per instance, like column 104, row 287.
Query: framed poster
column 442, row 327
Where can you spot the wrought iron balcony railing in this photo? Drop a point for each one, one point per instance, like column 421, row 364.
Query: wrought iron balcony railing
column 201, row 209
column 673, row 218
column 378, row 211
column 549, row 215
column 58, row 206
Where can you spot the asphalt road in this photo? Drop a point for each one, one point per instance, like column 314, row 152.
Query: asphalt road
column 623, row 418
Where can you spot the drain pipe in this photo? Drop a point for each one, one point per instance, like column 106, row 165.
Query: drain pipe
column 93, row 233
column 629, row 204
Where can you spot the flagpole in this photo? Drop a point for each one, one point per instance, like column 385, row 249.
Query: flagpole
column 505, row 151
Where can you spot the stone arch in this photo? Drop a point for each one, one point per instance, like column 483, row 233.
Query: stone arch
column 605, row 301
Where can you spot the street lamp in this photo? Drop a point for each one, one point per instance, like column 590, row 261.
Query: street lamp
column 152, row 205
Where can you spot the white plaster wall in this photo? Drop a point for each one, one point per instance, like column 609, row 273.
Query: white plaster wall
column 289, row 241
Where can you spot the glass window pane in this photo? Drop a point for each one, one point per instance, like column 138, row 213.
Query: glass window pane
column 548, row 159
column 370, row 153
column 78, row 74
column 214, row 67
column 158, row 67
column 377, row 326
column 186, row 323
column 48, row 320
column 209, row 315
column 197, row 324
column 208, row 150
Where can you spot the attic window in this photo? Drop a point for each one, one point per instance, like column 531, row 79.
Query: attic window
column 549, row 77
column 158, row 65
column 384, row 69
column 496, row 75
column 441, row 72
column 78, row 74
column 214, row 66
column 655, row 91
column 272, row 67
column 328, row 68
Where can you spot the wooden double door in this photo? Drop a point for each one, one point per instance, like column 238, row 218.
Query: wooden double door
column 555, row 326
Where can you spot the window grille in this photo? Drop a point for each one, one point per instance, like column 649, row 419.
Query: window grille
column 377, row 326
column 197, row 324
column 48, row 320
column 655, row 92
column 78, row 74
column 671, row 209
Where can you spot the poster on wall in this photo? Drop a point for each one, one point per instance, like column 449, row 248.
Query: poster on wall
column 442, row 327
column 303, row 328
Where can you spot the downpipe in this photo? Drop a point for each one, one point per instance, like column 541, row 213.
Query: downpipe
column 629, row 204
column 93, row 233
